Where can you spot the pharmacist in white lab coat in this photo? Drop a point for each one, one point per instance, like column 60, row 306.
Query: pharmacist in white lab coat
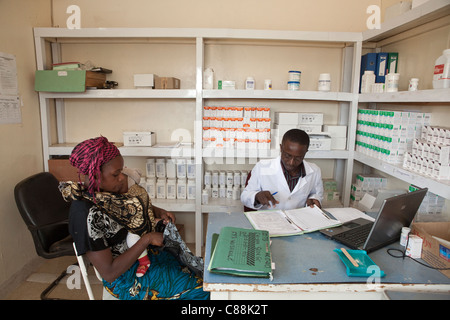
column 286, row 182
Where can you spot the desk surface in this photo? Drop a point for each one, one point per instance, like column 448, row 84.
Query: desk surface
column 309, row 259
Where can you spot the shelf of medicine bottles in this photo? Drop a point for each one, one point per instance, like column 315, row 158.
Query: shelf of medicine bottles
column 183, row 151
column 222, row 205
column 439, row 187
column 269, row 153
column 178, row 205
column 424, row 13
column 278, row 94
column 433, row 95
column 123, row 94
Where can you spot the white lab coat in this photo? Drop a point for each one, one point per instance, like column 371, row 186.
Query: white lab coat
column 268, row 175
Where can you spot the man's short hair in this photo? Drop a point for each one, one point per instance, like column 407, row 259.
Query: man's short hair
column 297, row 136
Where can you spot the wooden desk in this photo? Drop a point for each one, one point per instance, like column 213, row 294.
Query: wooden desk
column 307, row 268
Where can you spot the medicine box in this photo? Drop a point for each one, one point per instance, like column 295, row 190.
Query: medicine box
column 310, row 118
column 144, row 80
column 335, row 131
column 286, row 118
column 167, row 83
column 319, row 142
column 67, row 80
column 139, row 139
column 414, row 249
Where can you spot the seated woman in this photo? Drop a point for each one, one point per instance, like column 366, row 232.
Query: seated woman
column 103, row 239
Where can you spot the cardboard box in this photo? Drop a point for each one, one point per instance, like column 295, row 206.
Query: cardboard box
column 63, row 170
column 436, row 246
column 67, row 80
column 167, row 83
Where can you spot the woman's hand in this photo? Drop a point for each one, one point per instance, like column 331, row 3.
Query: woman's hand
column 154, row 238
column 164, row 215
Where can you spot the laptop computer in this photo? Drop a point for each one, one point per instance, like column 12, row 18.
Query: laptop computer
column 395, row 213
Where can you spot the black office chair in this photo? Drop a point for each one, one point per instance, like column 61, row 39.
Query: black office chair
column 46, row 214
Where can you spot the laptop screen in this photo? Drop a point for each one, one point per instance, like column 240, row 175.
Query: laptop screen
column 395, row 213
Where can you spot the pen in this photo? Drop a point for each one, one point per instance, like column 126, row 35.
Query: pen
column 274, row 193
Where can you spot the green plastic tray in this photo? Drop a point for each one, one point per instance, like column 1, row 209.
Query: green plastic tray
column 366, row 267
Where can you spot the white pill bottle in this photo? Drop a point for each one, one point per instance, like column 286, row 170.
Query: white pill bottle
column 441, row 77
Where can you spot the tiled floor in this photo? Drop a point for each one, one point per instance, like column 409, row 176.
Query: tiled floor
column 46, row 273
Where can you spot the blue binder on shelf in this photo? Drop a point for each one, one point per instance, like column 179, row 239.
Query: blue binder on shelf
column 381, row 67
column 368, row 62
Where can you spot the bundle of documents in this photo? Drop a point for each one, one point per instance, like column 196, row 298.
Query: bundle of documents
column 241, row 252
column 291, row 222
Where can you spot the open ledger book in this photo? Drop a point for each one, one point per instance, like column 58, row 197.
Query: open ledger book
column 291, row 222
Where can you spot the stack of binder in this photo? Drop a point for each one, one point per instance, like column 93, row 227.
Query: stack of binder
column 241, row 252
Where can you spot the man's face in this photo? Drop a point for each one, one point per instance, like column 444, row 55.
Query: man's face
column 292, row 154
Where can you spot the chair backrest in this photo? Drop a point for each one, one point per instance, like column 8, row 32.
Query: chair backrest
column 45, row 213
column 83, row 264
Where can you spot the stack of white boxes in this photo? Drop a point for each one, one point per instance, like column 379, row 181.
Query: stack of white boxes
column 432, row 204
column 388, row 135
column 430, row 154
column 322, row 137
column 366, row 183
column 236, row 127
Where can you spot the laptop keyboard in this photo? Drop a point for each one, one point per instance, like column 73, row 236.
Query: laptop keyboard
column 355, row 237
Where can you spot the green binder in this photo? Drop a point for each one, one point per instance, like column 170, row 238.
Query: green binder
column 242, row 252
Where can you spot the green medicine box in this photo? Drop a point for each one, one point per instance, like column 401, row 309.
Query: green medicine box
column 67, row 80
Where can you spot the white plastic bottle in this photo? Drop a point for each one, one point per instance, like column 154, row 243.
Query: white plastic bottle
column 441, row 77
column 208, row 79
column 161, row 188
column 250, row 83
column 367, row 80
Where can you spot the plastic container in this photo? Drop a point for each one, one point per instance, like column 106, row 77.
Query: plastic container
column 161, row 188
column 150, row 168
column 267, row 84
column 215, row 178
column 181, row 188
column 190, row 168
column 230, row 178
column 150, row 186
column 181, row 168
column 413, row 84
column 293, row 85
column 171, row 188
column 404, row 236
column 171, row 169
column 207, row 179
column 365, row 268
column 160, row 168
column 295, row 75
column 391, row 83
column 208, row 79
column 367, row 80
column 324, row 82
column 441, row 77
column 249, row 83
column 191, row 189
column 205, row 196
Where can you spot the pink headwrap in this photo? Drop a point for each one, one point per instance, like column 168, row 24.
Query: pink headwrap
column 88, row 157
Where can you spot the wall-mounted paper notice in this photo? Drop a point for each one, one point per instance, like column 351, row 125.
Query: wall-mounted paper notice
column 8, row 75
column 10, row 109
